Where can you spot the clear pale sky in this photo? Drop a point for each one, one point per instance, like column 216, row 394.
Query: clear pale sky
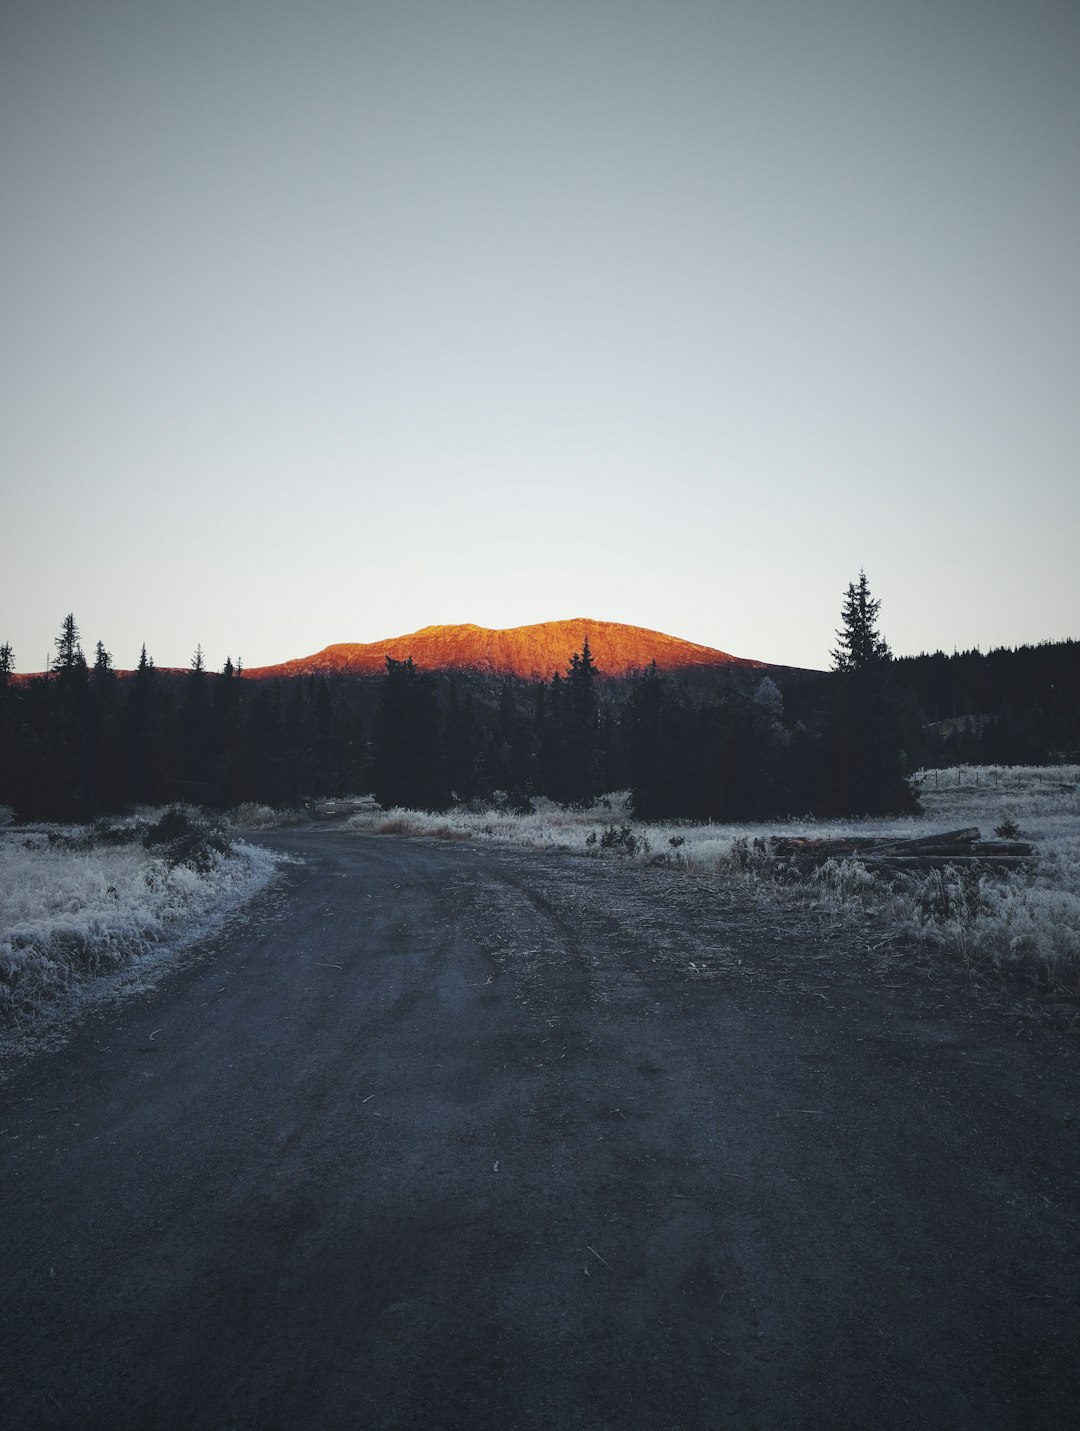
column 324, row 321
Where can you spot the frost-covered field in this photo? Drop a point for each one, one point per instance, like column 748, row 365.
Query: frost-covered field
column 79, row 900
column 1020, row 923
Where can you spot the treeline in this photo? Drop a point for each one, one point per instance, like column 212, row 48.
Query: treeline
column 82, row 740
column 1007, row 707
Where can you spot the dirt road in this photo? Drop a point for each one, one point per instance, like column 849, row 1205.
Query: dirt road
column 440, row 1137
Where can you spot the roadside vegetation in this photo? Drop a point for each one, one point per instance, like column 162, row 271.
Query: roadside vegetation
column 83, row 900
column 1016, row 925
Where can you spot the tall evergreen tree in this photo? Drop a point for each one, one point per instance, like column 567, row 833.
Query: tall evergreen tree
column 67, row 732
column 409, row 765
column 103, row 664
column 462, row 743
column 108, row 777
column 575, row 775
column 69, row 663
column 866, row 770
column 148, row 759
column 195, row 763
column 860, row 646
column 649, row 748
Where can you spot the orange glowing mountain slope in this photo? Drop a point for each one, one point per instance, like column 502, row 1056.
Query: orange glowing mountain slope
column 527, row 651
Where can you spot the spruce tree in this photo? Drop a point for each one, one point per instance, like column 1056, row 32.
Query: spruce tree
column 69, row 663
column 861, row 646
column 581, row 777
column 109, row 768
column 195, row 757
column 647, row 726
column 409, row 763
column 461, row 737
column 145, row 720
column 103, row 664
column 866, row 766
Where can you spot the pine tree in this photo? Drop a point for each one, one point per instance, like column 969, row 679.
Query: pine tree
column 649, row 747
column 409, row 763
column 461, row 738
column 861, row 647
column 69, row 663
column 146, row 721
column 866, row 734
column 108, row 776
column 103, row 664
column 194, row 753
column 580, row 775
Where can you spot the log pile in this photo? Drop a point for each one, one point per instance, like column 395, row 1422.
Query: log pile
column 952, row 847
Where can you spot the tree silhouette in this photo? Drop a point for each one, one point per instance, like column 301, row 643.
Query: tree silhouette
column 572, row 745
column 860, row 646
column 866, row 765
column 461, row 739
column 409, row 767
column 69, row 663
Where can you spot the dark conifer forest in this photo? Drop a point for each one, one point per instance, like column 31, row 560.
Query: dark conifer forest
column 84, row 740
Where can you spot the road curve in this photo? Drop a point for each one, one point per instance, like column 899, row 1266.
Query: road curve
column 447, row 1137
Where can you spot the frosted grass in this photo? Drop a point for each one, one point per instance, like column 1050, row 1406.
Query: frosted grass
column 1018, row 923
column 68, row 913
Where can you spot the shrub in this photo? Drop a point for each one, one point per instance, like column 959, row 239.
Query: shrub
column 615, row 839
column 184, row 837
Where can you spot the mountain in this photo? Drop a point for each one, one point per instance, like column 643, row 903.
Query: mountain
column 525, row 651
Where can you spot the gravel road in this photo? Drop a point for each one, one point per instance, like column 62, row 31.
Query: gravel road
column 446, row 1137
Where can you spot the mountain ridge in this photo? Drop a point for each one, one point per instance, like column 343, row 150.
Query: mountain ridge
column 533, row 652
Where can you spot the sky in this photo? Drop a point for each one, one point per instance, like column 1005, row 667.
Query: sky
column 325, row 321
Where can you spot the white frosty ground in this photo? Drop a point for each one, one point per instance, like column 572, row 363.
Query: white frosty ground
column 1025, row 924
column 66, row 914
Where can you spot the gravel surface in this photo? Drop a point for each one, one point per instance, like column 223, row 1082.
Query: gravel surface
column 441, row 1137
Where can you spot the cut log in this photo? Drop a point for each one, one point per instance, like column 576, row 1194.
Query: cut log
column 1003, row 847
column 947, row 837
column 958, row 852
column 822, row 848
column 857, row 845
column 948, row 847
column 941, row 862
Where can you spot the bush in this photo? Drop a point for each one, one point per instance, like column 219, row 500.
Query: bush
column 618, row 840
column 184, row 837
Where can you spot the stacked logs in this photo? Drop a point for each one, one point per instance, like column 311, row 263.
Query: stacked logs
column 952, row 847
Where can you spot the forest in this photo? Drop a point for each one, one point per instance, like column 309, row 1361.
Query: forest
column 84, row 740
